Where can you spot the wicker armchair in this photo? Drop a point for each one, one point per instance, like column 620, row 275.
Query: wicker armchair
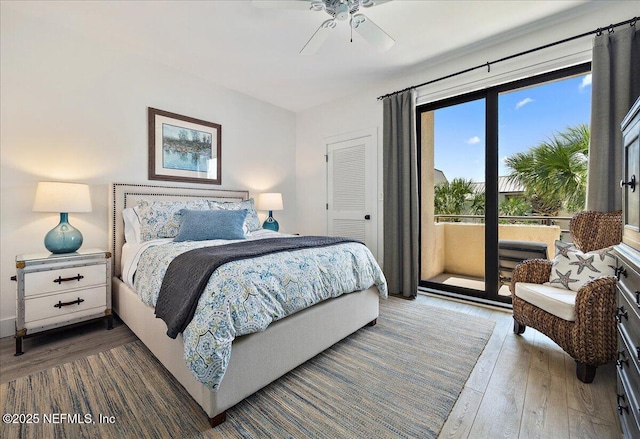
column 591, row 338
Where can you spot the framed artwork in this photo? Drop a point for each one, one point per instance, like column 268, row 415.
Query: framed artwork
column 184, row 149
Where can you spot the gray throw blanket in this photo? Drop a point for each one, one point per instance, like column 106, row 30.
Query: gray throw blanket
column 188, row 274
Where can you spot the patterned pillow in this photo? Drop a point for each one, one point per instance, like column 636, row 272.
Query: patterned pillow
column 161, row 219
column 572, row 268
column 252, row 221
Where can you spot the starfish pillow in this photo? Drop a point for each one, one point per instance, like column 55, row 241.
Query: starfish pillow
column 572, row 268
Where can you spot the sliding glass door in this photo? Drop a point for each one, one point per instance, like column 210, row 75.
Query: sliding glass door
column 478, row 197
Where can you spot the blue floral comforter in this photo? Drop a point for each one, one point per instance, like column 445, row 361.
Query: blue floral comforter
column 245, row 296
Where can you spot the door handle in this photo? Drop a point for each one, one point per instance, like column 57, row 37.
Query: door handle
column 631, row 183
column 367, row 217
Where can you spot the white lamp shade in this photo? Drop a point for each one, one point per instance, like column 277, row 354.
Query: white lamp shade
column 54, row 196
column 270, row 201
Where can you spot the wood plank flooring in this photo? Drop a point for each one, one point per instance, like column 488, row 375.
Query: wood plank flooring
column 525, row 387
column 522, row 386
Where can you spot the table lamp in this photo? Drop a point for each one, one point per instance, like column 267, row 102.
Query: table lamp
column 61, row 197
column 270, row 202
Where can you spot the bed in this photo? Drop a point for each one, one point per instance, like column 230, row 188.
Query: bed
column 256, row 359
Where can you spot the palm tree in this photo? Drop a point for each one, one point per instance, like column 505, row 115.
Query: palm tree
column 554, row 172
column 452, row 198
column 515, row 206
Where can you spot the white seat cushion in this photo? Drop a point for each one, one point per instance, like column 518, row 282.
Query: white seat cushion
column 557, row 301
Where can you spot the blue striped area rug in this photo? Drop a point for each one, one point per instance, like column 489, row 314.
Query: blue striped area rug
column 399, row 378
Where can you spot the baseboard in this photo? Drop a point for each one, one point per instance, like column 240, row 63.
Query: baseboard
column 7, row 327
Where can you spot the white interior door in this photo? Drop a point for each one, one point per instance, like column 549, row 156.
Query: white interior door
column 352, row 203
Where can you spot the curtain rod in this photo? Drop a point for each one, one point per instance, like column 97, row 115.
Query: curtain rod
column 488, row 64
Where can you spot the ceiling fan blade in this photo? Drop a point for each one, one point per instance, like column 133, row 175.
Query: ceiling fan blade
column 372, row 32
column 318, row 37
column 300, row 5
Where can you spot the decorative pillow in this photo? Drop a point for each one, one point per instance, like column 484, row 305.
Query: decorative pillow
column 572, row 268
column 131, row 225
column 161, row 219
column 202, row 225
column 252, row 220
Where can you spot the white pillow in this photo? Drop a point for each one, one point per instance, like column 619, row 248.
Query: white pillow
column 572, row 268
column 131, row 225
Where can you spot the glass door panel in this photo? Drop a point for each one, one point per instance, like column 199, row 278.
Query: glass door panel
column 543, row 140
column 453, row 199
column 502, row 170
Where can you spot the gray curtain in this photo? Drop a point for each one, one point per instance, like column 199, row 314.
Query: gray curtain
column 615, row 87
column 400, row 177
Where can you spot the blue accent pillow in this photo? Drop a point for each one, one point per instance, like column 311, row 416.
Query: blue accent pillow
column 202, row 225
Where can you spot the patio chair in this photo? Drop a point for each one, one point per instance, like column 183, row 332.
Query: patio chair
column 580, row 320
column 511, row 253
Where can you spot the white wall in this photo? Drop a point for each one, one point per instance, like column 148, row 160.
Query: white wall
column 76, row 110
column 364, row 111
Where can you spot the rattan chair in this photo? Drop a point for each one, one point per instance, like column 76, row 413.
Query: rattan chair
column 591, row 338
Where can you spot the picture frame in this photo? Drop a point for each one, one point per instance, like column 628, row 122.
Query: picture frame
column 184, row 149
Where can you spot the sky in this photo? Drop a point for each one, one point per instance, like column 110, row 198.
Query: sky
column 526, row 117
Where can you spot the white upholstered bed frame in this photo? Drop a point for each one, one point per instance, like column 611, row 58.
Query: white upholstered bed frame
column 256, row 359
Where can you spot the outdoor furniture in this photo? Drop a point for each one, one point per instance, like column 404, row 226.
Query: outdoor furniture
column 511, row 253
column 581, row 322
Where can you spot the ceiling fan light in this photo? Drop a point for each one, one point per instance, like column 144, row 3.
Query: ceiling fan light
column 318, row 5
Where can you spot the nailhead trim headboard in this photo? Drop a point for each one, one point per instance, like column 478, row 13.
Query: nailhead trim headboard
column 127, row 195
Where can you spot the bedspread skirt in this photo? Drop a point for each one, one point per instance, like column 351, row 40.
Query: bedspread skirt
column 245, row 296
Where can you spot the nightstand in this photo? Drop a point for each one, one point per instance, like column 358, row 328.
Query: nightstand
column 56, row 290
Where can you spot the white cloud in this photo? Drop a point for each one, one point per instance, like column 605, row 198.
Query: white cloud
column 473, row 140
column 586, row 82
column 523, row 102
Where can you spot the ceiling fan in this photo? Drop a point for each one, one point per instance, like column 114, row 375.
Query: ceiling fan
column 339, row 10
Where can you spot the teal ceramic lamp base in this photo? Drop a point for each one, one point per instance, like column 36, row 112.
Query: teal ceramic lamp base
column 63, row 238
column 270, row 223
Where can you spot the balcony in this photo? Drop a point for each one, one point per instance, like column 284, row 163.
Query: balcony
column 453, row 253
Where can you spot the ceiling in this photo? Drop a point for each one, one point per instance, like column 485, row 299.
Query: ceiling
column 256, row 51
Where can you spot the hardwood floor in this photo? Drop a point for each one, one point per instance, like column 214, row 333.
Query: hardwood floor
column 522, row 386
column 525, row 387
column 42, row 352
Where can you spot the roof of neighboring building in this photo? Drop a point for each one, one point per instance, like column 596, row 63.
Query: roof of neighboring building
column 439, row 177
column 505, row 186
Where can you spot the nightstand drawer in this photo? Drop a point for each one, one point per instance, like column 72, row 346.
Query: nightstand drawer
column 62, row 305
column 64, row 279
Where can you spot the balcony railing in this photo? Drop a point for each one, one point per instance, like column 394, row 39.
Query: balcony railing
column 453, row 245
column 562, row 221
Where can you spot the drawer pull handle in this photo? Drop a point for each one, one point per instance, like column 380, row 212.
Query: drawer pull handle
column 61, row 279
column 620, row 271
column 622, row 354
column 638, row 297
column 622, row 363
column 620, row 397
column 622, row 313
column 621, row 408
column 78, row 301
